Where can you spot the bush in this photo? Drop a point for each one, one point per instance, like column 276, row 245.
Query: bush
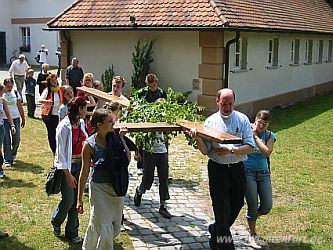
column 107, row 78
column 172, row 109
column 142, row 58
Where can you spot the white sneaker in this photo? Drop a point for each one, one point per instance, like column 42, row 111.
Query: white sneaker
column 253, row 241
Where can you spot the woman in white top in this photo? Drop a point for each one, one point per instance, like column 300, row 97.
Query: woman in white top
column 4, row 109
column 51, row 99
column 14, row 103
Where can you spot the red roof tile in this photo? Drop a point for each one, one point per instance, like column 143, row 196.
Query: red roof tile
column 293, row 15
column 298, row 15
column 158, row 13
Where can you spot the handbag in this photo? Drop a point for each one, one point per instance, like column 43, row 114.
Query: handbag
column 54, row 181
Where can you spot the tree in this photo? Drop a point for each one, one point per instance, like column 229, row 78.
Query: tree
column 107, row 78
column 142, row 58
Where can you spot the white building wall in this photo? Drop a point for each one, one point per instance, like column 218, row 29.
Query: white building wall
column 176, row 55
column 31, row 9
column 258, row 82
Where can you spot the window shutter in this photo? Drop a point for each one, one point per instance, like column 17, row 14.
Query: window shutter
column 276, row 52
column 310, row 51
column 244, row 53
column 296, row 59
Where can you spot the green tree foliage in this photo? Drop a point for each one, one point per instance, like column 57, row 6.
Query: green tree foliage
column 107, row 78
column 141, row 60
column 172, row 109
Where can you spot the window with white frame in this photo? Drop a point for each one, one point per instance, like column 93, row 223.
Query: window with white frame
column 329, row 52
column 294, row 52
column 26, row 39
column 273, row 52
column 308, row 51
column 240, row 61
column 320, row 49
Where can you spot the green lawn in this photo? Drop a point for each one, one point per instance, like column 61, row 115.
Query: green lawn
column 302, row 173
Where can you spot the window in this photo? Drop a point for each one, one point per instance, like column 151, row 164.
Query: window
column 329, row 52
column 320, row 51
column 294, row 52
column 241, row 54
column 25, row 35
column 273, row 52
column 308, row 52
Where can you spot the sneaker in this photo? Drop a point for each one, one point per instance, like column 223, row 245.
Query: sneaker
column 164, row 212
column 57, row 231
column 253, row 241
column 2, row 174
column 8, row 165
column 137, row 197
column 3, row 235
column 140, row 171
column 75, row 240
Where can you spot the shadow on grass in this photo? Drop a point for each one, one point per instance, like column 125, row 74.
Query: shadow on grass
column 70, row 245
column 12, row 242
column 21, row 166
column 278, row 246
column 15, row 183
column 284, row 118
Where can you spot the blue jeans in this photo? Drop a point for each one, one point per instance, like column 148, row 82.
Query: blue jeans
column 67, row 206
column 2, row 134
column 11, row 142
column 258, row 185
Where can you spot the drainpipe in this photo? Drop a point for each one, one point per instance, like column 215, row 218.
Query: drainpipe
column 227, row 55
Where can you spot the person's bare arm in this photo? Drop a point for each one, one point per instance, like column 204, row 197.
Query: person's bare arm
column 9, row 117
column 20, row 108
column 86, row 157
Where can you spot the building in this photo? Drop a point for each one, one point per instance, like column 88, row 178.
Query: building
column 270, row 52
column 21, row 25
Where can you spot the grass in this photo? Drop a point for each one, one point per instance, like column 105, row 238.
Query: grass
column 302, row 174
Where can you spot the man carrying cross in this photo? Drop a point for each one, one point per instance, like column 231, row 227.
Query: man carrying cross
column 225, row 167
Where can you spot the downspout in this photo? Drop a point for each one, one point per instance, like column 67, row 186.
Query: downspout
column 227, row 55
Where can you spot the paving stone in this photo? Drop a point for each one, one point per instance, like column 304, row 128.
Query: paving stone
column 187, row 240
column 196, row 246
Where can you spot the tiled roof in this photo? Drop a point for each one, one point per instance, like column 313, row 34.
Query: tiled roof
column 295, row 15
column 299, row 15
column 148, row 13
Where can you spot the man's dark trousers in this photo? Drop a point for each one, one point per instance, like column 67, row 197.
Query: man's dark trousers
column 227, row 189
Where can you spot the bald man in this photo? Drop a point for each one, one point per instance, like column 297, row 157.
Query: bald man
column 225, row 167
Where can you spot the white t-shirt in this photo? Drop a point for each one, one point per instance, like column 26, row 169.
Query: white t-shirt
column 43, row 55
column 11, row 99
column 56, row 101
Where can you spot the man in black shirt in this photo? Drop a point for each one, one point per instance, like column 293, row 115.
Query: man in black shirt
column 74, row 74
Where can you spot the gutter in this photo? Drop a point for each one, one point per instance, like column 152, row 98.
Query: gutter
column 227, row 55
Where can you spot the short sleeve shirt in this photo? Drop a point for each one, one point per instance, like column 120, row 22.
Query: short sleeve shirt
column 238, row 125
column 12, row 98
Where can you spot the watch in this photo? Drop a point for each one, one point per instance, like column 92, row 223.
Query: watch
column 13, row 126
column 232, row 151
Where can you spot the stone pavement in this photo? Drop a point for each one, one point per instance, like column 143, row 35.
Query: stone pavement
column 191, row 210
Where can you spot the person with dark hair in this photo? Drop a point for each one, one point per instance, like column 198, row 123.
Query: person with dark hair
column 12, row 140
column 109, row 182
column 41, row 78
column 226, row 175
column 51, row 99
column 258, row 177
column 4, row 109
column 74, row 75
column 70, row 136
column 151, row 93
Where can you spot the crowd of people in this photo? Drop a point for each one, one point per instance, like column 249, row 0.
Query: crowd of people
column 87, row 148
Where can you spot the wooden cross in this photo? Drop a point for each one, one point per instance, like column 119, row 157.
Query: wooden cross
column 207, row 133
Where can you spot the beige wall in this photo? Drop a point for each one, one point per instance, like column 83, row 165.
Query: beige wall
column 176, row 55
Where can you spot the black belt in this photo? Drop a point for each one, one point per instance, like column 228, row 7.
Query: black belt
column 229, row 164
column 19, row 75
